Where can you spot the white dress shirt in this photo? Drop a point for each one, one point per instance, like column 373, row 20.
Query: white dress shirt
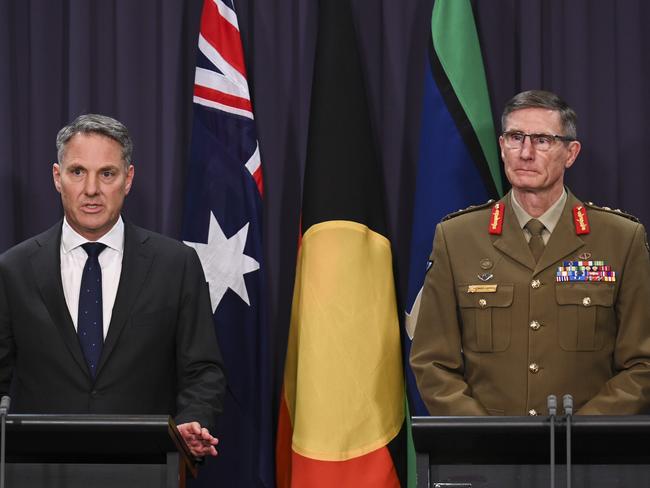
column 73, row 260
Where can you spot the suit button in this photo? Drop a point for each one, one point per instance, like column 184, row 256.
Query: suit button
column 532, row 412
column 535, row 284
column 535, row 325
column 93, row 393
column 533, row 368
column 586, row 301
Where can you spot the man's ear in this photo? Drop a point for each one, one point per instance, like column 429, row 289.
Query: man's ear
column 130, row 173
column 574, row 150
column 56, row 176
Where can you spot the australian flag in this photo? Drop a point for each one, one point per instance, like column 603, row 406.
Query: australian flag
column 223, row 222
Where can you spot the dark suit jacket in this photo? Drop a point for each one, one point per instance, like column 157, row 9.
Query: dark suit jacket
column 505, row 351
column 160, row 355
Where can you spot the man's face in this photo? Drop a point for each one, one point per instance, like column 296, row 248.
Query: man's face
column 93, row 181
column 529, row 169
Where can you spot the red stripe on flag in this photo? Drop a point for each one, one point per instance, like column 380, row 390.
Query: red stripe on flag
column 223, row 98
column 223, row 36
column 295, row 471
column 373, row 469
column 257, row 176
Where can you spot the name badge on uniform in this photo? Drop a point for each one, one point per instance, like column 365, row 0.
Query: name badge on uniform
column 481, row 288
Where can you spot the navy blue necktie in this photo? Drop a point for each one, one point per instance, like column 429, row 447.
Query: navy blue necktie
column 90, row 328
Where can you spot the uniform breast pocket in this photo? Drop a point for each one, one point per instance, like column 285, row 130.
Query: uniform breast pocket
column 487, row 318
column 586, row 316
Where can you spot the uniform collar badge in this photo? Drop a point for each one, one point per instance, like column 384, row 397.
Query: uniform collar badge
column 496, row 219
column 580, row 220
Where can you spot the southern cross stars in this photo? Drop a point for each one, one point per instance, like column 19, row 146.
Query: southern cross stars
column 224, row 262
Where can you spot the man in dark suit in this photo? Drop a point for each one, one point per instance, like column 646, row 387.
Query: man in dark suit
column 100, row 316
column 536, row 294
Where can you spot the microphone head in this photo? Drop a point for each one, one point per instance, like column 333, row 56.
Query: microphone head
column 4, row 404
column 551, row 403
column 567, row 403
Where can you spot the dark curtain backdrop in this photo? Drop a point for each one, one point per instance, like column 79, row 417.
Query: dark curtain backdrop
column 134, row 60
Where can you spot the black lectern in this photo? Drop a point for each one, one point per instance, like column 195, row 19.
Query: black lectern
column 97, row 451
column 504, row 452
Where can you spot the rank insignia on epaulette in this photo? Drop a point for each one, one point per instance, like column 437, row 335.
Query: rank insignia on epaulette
column 580, row 220
column 496, row 219
column 616, row 211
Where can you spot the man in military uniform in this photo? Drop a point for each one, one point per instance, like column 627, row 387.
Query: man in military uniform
column 538, row 293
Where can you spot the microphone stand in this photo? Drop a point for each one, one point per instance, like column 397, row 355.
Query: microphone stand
column 567, row 401
column 551, row 402
column 4, row 409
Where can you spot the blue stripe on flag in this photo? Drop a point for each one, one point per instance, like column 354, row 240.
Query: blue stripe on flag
column 447, row 180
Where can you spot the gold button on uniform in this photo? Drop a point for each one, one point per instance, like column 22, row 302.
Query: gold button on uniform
column 533, row 368
column 535, row 284
column 532, row 412
column 482, row 303
column 586, row 301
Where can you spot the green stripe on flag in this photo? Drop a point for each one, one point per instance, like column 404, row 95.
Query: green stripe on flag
column 452, row 25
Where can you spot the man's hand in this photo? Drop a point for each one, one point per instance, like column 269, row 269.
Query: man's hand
column 198, row 439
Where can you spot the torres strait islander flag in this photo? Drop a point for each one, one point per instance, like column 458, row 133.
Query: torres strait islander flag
column 342, row 408
column 458, row 163
column 223, row 222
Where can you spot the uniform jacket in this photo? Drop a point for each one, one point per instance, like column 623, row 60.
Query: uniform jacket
column 160, row 355
column 504, row 352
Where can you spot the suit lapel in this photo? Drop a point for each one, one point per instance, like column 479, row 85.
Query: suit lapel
column 136, row 262
column 512, row 241
column 46, row 265
column 563, row 240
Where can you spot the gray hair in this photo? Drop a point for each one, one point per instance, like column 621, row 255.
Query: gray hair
column 547, row 100
column 96, row 124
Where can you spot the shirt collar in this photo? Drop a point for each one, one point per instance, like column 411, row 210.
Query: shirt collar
column 550, row 218
column 114, row 238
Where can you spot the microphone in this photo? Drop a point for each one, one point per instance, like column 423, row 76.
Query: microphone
column 551, row 403
column 567, row 403
column 5, row 401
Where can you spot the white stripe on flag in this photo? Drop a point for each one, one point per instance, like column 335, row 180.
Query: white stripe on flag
column 227, row 13
column 254, row 162
column 222, row 65
column 217, row 81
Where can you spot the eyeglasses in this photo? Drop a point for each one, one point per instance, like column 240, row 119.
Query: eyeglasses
column 541, row 142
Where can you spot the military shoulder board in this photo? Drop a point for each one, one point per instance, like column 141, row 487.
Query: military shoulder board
column 471, row 208
column 616, row 211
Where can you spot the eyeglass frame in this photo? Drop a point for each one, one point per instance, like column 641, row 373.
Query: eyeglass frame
column 532, row 136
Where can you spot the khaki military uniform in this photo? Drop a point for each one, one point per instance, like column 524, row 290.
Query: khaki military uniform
column 502, row 352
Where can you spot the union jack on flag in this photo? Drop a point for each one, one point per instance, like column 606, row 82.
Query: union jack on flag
column 223, row 221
